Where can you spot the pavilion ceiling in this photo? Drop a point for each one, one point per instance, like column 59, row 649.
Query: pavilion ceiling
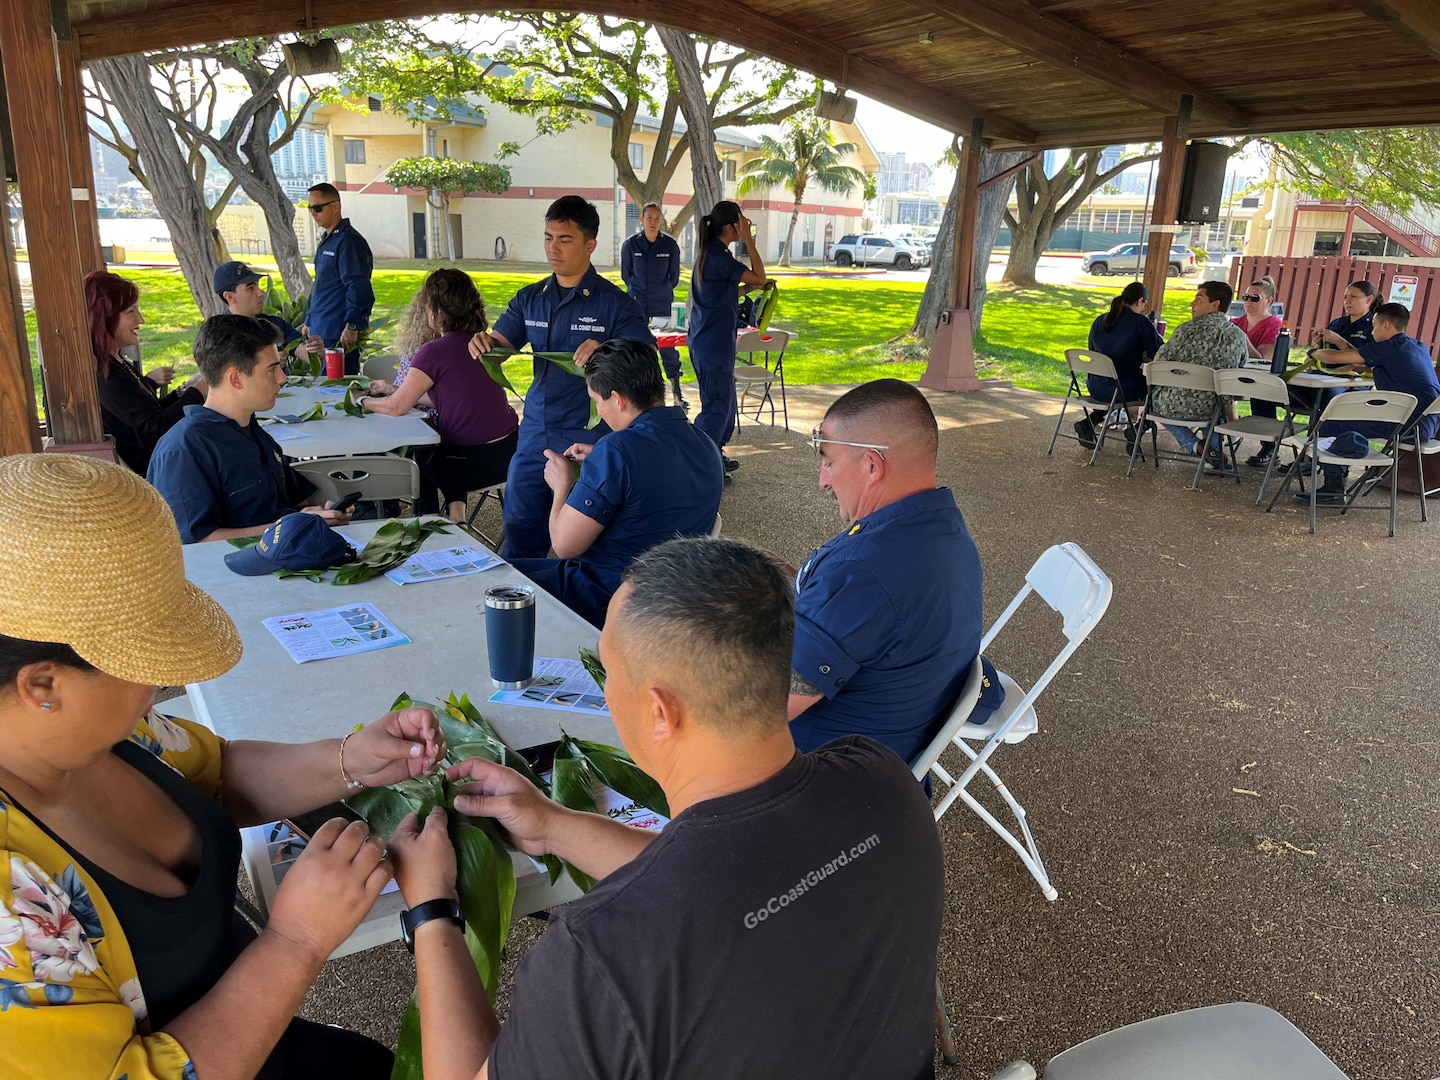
column 1040, row 73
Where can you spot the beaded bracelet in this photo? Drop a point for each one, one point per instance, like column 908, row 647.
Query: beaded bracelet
column 350, row 784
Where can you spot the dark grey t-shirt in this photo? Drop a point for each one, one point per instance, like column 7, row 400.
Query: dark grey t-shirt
column 787, row 930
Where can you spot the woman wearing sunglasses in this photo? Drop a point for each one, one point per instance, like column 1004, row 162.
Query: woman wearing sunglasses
column 1261, row 329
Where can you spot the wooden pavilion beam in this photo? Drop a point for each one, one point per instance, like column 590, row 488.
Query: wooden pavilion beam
column 19, row 426
column 729, row 20
column 1416, row 21
column 1063, row 45
column 37, row 108
column 1168, row 176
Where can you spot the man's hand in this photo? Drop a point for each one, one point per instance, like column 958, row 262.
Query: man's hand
column 423, row 858
column 559, row 472
column 161, row 376
column 348, row 338
column 330, row 515
column 579, row 451
column 521, row 809
column 582, row 353
column 482, row 343
column 310, row 345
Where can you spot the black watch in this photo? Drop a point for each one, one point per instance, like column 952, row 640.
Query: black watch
column 411, row 919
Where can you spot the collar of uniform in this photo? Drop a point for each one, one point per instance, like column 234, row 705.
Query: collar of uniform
column 205, row 414
column 589, row 280
column 919, row 503
column 660, row 414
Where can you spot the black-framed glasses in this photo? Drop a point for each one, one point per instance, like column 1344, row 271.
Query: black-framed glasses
column 817, row 439
column 1252, row 298
column 317, row 207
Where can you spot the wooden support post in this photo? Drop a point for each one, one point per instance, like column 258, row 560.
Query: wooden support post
column 1167, row 202
column 19, row 425
column 37, row 106
column 77, row 136
column 952, row 354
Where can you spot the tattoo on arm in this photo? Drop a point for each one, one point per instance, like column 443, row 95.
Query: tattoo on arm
column 801, row 686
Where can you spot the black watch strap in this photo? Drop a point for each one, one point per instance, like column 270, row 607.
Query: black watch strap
column 411, row 919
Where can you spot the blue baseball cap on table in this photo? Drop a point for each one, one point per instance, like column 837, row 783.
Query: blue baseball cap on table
column 295, row 542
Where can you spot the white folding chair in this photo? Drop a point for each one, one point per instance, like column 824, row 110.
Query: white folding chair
column 760, row 377
column 381, row 367
column 715, row 529
column 375, row 476
column 1237, row 1040
column 1160, row 374
column 1254, row 386
column 1083, row 362
column 1422, row 448
column 1078, row 590
column 496, row 492
column 1386, row 407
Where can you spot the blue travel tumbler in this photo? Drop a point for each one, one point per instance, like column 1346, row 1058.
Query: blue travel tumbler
column 510, row 635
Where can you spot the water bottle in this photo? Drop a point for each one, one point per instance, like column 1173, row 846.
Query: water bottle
column 1281, row 356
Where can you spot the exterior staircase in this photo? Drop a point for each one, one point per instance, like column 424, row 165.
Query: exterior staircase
column 1405, row 231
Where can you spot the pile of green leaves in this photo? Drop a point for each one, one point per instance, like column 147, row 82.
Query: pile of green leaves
column 485, row 877
column 392, row 544
column 315, row 412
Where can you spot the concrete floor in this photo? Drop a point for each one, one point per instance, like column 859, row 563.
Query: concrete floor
column 1235, row 782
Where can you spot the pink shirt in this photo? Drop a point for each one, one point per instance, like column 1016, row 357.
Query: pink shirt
column 1263, row 332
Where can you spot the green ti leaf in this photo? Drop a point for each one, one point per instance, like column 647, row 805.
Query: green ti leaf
column 382, row 808
column 349, row 406
column 485, row 880
column 243, row 541
column 563, row 360
column 315, row 412
column 392, row 544
column 591, row 659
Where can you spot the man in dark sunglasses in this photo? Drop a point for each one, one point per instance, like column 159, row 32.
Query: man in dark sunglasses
column 342, row 298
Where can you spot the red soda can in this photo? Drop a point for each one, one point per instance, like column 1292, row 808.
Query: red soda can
column 334, row 363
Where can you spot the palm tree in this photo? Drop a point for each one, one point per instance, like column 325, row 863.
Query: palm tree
column 806, row 153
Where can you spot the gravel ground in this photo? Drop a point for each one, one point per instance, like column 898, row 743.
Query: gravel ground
column 1234, row 787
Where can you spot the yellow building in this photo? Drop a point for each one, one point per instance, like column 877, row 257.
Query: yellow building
column 364, row 139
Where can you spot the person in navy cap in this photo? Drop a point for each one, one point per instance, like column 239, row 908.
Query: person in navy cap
column 654, row 478
column 887, row 614
column 221, row 474
column 238, row 287
column 573, row 310
column 650, row 268
column 342, row 299
column 1398, row 362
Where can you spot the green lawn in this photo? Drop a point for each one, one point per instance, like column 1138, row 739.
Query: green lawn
column 845, row 327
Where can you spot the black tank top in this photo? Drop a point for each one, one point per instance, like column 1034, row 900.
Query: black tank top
column 181, row 944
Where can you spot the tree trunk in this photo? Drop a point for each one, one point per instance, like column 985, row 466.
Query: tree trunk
column 790, row 233
column 126, row 80
column 992, row 209
column 694, row 103
column 258, row 180
column 445, row 223
column 1025, row 248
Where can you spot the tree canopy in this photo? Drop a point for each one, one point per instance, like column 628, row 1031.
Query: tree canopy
column 443, row 178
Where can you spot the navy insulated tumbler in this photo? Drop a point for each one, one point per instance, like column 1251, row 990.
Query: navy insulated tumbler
column 510, row 635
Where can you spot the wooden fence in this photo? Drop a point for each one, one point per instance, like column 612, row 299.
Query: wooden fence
column 1312, row 290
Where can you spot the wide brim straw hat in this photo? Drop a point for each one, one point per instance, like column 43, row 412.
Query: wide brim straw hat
column 90, row 558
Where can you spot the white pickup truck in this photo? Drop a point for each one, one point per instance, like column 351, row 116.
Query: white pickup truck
column 875, row 250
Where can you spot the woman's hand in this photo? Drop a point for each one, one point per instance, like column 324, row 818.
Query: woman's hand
column 331, row 887
column 423, row 858
column 380, row 388
column 161, row 376
column 399, row 745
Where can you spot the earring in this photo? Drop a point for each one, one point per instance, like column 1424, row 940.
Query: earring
column 45, row 705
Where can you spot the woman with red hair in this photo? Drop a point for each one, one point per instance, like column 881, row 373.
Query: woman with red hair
column 132, row 408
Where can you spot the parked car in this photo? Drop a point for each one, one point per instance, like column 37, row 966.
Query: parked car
column 870, row 249
column 1128, row 258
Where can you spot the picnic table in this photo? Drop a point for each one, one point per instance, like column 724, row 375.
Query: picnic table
column 339, row 435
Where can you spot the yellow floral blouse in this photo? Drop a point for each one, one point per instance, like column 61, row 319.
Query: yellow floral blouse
column 70, row 1001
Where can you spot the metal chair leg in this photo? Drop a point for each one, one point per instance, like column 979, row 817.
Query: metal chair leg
column 949, row 1054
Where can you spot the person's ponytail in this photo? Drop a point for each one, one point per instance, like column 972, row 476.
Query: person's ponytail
column 707, row 222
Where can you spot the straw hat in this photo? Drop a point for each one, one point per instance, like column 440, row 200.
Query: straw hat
column 90, row 558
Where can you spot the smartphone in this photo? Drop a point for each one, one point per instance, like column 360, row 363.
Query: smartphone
column 305, row 825
column 348, row 501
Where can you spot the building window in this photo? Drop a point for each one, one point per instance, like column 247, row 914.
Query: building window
column 632, row 211
column 354, row 151
column 730, row 168
column 637, row 155
column 373, row 102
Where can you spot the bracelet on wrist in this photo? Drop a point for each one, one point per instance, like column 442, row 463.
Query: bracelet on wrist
column 350, row 785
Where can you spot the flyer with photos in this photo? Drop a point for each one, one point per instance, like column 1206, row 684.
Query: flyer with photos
column 559, row 684
column 447, row 562
column 344, row 631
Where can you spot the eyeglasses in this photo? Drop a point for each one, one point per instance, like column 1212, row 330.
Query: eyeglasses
column 1252, row 298
column 817, row 438
column 315, row 208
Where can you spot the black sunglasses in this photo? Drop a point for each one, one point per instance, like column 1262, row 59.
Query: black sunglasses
column 316, row 207
column 1250, row 297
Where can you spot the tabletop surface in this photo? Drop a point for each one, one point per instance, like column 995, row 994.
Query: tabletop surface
column 338, row 435
column 269, row 696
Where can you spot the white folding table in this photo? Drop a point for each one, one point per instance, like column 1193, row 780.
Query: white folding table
column 339, row 435
column 269, row 696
